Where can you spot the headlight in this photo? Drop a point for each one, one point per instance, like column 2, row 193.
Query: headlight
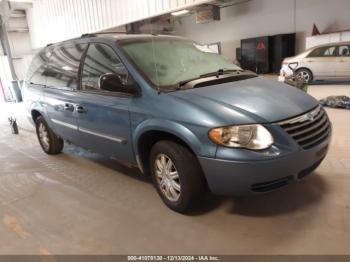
column 254, row 137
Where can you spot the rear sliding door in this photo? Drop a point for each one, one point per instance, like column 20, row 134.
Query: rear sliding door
column 60, row 96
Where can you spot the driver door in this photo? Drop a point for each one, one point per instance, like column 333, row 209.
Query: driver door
column 103, row 116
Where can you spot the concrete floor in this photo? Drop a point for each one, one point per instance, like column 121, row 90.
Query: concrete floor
column 82, row 203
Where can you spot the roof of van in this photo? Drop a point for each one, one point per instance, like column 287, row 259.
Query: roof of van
column 135, row 36
column 119, row 36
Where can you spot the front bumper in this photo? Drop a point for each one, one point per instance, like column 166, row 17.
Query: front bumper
column 285, row 72
column 227, row 177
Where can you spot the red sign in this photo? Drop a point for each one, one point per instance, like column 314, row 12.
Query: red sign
column 261, row 46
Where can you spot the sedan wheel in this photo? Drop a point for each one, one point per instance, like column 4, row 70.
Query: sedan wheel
column 305, row 75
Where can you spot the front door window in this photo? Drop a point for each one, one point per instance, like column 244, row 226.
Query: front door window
column 99, row 61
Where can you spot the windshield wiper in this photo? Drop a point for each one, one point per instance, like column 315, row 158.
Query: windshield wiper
column 216, row 73
column 184, row 82
column 220, row 72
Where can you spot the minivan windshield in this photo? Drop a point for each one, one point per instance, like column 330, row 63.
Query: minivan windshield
column 168, row 62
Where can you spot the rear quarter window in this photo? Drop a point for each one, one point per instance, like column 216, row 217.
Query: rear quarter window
column 36, row 71
column 344, row 50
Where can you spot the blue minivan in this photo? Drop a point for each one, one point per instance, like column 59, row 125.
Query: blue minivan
column 179, row 112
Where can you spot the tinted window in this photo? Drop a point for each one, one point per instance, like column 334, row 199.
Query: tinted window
column 35, row 73
column 63, row 68
column 100, row 60
column 344, row 50
column 324, row 52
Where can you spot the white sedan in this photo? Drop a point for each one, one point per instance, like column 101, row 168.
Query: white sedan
column 325, row 62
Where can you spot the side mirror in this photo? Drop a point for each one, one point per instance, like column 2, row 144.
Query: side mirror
column 110, row 82
column 114, row 83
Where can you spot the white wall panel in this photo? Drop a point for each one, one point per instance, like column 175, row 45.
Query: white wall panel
column 268, row 17
column 313, row 41
column 56, row 20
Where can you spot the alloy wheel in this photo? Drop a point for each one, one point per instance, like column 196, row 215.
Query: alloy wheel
column 44, row 136
column 167, row 177
column 304, row 75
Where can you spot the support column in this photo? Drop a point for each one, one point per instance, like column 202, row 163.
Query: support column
column 6, row 47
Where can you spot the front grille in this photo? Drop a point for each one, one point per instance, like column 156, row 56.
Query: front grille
column 309, row 129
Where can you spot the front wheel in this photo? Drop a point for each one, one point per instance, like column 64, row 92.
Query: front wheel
column 176, row 175
column 49, row 141
column 305, row 75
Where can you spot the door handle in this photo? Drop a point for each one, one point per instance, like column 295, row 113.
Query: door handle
column 80, row 109
column 68, row 107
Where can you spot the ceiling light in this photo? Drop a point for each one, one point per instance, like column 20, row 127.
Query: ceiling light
column 181, row 12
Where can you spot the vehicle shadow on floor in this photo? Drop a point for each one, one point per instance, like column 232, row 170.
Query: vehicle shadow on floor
column 293, row 197
column 109, row 163
column 304, row 194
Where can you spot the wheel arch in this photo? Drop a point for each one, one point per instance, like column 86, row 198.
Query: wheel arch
column 35, row 114
column 305, row 68
column 152, row 131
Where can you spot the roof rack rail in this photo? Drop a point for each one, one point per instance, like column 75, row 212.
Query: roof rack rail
column 104, row 33
column 112, row 32
column 49, row 44
column 87, row 35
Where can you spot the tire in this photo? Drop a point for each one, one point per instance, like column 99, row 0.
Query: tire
column 188, row 184
column 49, row 141
column 305, row 74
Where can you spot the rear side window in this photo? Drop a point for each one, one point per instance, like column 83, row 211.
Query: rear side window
column 62, row 70
column 344, row 50
column 35, row 73
column 327, row 51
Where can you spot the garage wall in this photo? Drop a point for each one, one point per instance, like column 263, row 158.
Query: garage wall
column 268, row 17
column 20, row 44
column 56, row 20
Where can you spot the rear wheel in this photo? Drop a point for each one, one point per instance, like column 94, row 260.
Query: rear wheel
column 176, row 175
column 49, row 141
column 304, row 74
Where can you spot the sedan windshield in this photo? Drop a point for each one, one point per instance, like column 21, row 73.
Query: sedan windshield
column 168, row 62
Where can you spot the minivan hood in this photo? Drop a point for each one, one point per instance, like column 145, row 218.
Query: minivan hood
column 258, row 98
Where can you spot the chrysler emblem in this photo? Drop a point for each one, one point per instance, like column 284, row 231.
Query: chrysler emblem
column 310, row 117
